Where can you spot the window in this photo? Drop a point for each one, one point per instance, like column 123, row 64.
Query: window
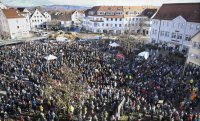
column 194, row 44
column 107, row 19
column 17, row 27
column 163, row 23
column 106, row 24
column 120, row 25
column 191, row 26
column 133, row 19
column 125, row 25
column 187, row 37
column 115, row 19
column 166, row 34
column 132, row 24
column 173, row 24
column 110, row 25
column 115, row 25
column 32, row 20
column 111, row 19
column 179, row 36
column 95, row 24
column 167, row 24
column 162, row 33
column 182, row 26
column 41, row 20
column 198, row 26
column 102, row 24
column 120, row 19
column 38, row 20
column 129, row 19
column 173, row 35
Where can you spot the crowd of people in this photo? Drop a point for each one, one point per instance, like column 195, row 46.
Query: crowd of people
column 159, row 87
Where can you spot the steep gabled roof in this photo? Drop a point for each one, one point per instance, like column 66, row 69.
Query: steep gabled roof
column 149, row 12
column 189, row 11
column 62, row 15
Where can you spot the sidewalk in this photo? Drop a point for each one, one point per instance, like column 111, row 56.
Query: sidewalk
column 13, row 41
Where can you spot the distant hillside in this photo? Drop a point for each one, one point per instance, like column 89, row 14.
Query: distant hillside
column 63, row 7
column 55, row 7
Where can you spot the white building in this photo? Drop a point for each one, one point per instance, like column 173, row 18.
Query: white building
column 114, row 19
column 2, row 6
column 13, row 24
column 175, row 24
column 38, row 19
column 194, row 51
column 77, row 17
column 64, row 18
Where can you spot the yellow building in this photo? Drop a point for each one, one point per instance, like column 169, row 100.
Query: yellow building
column 194, row 51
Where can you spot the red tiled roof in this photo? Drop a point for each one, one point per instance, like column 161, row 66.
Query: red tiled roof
column 189, row 11
column 124, row 9
column 12, row 13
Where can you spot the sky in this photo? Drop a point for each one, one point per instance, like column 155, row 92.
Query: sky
column 92, row 2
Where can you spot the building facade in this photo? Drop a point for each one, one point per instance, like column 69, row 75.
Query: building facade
column 115, row 19
column 39, row 19
column 13, row 24
column 77, row 18
column 63, row 18
column 173, row 25
column 194, row 51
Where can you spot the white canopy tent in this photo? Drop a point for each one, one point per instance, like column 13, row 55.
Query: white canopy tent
column 50, row 57
column 114, row 44
column 61, row 39
column 144, row 54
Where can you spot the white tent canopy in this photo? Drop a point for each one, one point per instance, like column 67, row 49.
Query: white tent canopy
column 114, row 44
column 61, row 39
column 144, row 54
column 50, row 57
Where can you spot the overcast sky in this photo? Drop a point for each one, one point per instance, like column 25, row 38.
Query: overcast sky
column 91, row 2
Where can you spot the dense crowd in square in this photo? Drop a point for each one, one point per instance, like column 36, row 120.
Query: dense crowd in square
column 142, row 83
